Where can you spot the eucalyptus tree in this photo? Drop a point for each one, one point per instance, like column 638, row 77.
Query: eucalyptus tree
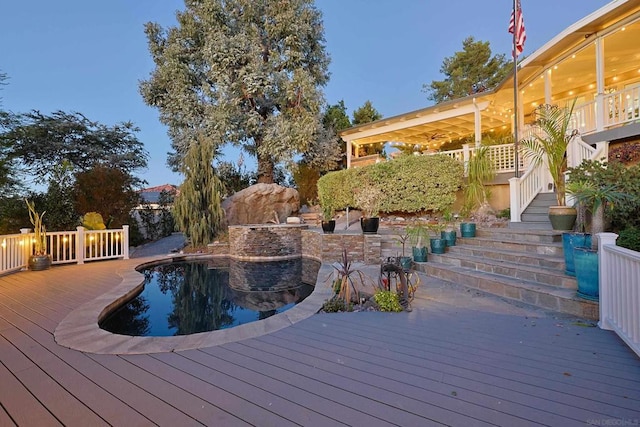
column 251, row 69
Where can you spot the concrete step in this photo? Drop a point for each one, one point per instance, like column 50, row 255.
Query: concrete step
column 543, row 248
column 531, row 225
column 555, row 262
column 534, row 273
column 534, row 217
column 562, row 300
column 529, row 236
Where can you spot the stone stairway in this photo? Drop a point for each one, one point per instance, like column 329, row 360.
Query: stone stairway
column 536, row 215
column 521, row 265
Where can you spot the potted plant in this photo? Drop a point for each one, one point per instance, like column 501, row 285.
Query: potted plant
column 328, row 223
column 437, row 243
column 449, row 231
column 598, row 197
column 550, row 146
column 402, row 236
column 38, row 259
column 368, row 200
column 418, row 236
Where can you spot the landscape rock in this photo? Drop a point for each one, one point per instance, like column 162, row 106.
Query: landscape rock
column 261, row 204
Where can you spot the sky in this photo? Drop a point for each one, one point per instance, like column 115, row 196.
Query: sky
column 89, row 56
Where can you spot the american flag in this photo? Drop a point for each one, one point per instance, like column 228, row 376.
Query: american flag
column 516, row 25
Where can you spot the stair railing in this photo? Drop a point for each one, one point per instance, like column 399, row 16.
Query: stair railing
column 523, row 190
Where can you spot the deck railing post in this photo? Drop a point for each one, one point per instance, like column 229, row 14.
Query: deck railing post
column 606, row 287
column 125, row 241
column 80, row 245
column 26, row 247
column 514, row 199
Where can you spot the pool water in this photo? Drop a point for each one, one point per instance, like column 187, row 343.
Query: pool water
column 187, row 297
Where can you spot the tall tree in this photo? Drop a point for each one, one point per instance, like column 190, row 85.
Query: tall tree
column 39, row 142
column 8, row 181
column 197, row 208
column 250, row 68
column 367, row 114
column 469, row 71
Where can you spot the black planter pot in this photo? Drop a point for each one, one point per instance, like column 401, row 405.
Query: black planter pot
column 328, row 227
column 438, row 245
column 449, row 236
column 370, row 225
column 39, row 262
column 468, row 229
column 570, row 241
column 587, row 273
column 420, row 254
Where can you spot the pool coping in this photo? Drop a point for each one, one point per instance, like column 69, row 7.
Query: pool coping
column 79, row 330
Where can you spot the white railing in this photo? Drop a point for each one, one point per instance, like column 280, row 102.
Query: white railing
column 458, row 155
column 13, row 253
column 523, row 190
column 502, row 156
column 65, row 247
column 619, row 271
column 578, row 151
column 622, row 106
column 584, row 117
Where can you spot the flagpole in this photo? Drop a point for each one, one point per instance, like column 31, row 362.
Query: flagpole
column 515, row 87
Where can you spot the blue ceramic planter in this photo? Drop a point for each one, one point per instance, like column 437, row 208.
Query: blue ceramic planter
column 570, row 241
column 468, row 229
column 587, row 273
column 449, row 237
column 438, row 246
column 420, row 254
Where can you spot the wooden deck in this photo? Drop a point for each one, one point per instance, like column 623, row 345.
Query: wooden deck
column 438, row 365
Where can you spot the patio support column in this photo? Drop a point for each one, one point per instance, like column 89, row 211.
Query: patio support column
column 348, row 150
column 600, row 108
column 477, row 120
column 547, row 86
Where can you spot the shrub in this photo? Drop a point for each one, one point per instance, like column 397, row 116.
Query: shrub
column 336, row 305
column 408, row 184
column 387, row 301
column 629, row 238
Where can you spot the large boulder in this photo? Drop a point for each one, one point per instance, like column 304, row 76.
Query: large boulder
column 261, row 204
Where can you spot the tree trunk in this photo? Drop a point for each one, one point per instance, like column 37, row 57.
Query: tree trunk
column 265, row 170
column 597, row 225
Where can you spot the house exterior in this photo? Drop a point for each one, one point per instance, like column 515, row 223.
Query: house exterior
column 595, row 62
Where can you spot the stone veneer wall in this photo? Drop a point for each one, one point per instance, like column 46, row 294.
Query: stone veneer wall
column 262, row 242
column 328, row 247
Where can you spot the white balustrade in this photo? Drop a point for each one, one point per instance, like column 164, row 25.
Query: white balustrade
column 65, row 247
column 622, row 106
column 619, row 270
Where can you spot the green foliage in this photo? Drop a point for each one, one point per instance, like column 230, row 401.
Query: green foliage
column 336, row 118
column 59, row 199
column 387, row 301
column 106, row 190
column 365, row 114
column 469, row 71
column 234, row 177
column 197, row 208
column 408, row 184
column 551, row 145
column 418, row 234
column 306, row 179
column 629, row 238
column 93, row 221
column 39, row 229
column 626, row 179
column 504, row 213
column 480, row 170
column 39, row 142
column 336, row 305
column 250, row 70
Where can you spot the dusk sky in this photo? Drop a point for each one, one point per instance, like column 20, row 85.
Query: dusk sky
column 88, row 56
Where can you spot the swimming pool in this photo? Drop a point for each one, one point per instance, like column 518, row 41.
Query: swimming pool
column 187, row 297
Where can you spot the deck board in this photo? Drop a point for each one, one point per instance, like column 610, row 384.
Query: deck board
column 438, row 365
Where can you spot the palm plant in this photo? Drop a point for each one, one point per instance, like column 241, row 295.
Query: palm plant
column 480, row 170
column 598, row 198
column 39, row 229
column 552, row 144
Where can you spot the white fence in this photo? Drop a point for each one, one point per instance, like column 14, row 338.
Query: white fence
column 65, row 247
column 619, row 290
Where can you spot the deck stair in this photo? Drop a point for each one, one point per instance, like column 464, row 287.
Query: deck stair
column 526, row 266
column 536, row 215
